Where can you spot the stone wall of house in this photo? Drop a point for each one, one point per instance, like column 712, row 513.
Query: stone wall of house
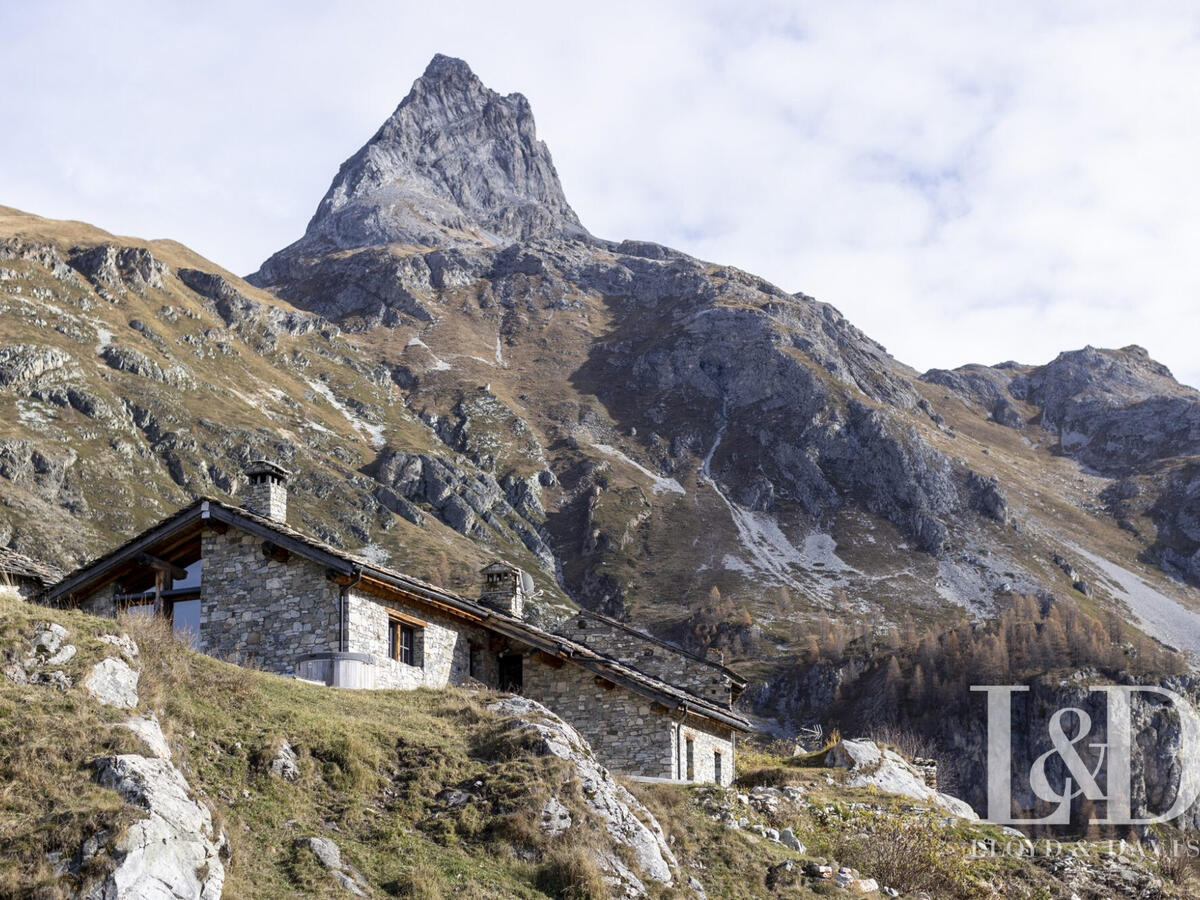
column 623, row 728
column 26, row 589
column 627, row 735
column 260, row 612
column 101, row 602
column 708, row 742
column 442, row 650
column 648, row 655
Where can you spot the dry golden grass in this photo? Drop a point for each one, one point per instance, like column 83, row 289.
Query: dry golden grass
column 569, row 873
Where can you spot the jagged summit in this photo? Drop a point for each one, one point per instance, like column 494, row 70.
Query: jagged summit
column 455, row 165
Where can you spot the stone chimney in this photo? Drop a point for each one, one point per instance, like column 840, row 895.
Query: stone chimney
column 505, row 588
column 266, row 495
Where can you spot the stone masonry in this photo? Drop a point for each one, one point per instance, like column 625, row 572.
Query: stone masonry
column 624, row 728
column 442, row 652
column 260, row 612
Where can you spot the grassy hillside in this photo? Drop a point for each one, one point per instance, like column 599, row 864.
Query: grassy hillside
column 370, row 765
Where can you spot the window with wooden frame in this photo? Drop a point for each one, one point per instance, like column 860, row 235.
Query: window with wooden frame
column 717, row 766
column 405, row 635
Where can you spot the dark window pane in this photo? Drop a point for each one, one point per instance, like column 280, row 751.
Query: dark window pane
column 407, row 640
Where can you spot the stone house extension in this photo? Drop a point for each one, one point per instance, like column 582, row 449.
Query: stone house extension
column 244, row 586
column 28, row 576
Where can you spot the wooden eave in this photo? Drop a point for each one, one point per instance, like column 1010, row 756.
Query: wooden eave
column 163, row 539
column 386, row 591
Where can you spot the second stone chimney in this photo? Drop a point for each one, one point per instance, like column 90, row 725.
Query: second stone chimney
column 505, row 588
column 266, row 495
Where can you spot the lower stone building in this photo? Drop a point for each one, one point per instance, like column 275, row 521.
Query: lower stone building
column 26, row 576
column 242, row 585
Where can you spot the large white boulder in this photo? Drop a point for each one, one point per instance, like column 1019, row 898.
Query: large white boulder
column 113, row 683
column 888, row 771
column 148, row 729
column 627, row 821
column 173, row 853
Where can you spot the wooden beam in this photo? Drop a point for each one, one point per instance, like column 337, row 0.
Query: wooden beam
column 178, row 530
column 398, row 616
column 162, row 565
column 548, row 659
column 275, row 552
column 389, row 591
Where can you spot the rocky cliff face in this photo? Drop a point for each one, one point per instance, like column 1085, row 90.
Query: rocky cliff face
column 653, row 398
column 1119, row 413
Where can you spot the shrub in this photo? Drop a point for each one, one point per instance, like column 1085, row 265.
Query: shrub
column 569, row 873
column 908, row 856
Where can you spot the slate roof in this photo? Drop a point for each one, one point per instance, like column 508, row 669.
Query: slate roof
column 208, row 509
column 19, row 566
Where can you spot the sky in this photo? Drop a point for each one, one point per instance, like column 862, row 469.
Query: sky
column 966, row 182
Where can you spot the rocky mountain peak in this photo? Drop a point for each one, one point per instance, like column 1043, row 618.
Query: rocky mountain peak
column 455, row 165
column 1110, row 378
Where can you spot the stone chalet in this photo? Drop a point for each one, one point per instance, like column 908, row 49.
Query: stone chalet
column 28, row 576
column 246, row 587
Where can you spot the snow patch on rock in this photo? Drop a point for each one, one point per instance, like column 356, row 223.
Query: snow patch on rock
column 659, row 483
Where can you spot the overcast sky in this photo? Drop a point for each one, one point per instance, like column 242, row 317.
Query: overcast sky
column 966, row 182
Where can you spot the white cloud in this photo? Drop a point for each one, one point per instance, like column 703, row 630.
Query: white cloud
column 966, row 181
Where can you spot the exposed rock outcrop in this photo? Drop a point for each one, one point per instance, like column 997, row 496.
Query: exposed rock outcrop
column 113, row 683
column 48, row 651
column 126, row 359
column 329, row 855
column 173, row 852
column 21, row 364
column 627, row 821
column 115, row 266
column 869, row 765
column 471, row 503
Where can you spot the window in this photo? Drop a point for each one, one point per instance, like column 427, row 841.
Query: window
column 170, row 586
column 408, row 643
column 717, row 766
column 691, row 760
column 402, row 643
column 185, row 619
